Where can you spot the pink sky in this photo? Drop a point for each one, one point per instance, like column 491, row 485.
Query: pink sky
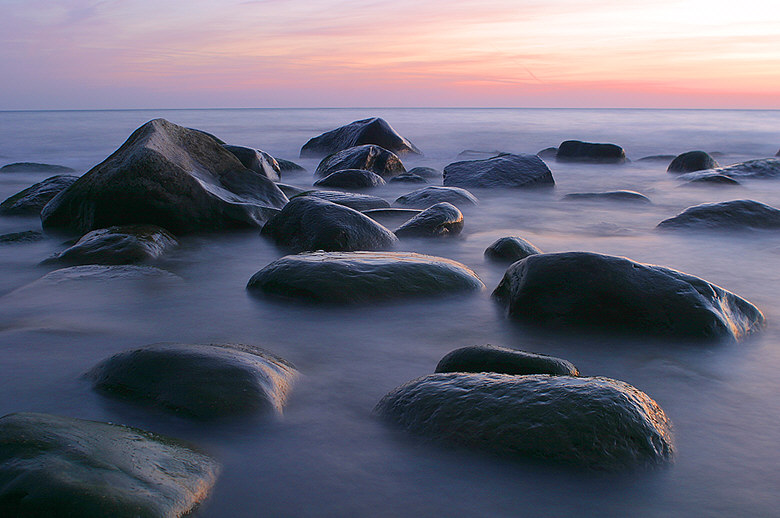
column 310, row 53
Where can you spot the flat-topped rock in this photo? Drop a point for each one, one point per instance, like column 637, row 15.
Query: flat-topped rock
column 510, row 249
column 374, row 130
column 727, row 215
column 440, row 220
column 349, row 199
column 351, row 179
column 433, row 194
column 31, row 201
column 578, row 151
column 54, row 466
column 505, row 170
column 692, row 161
column 621, row 196
column 362, row 277
column 490, row 358
column 369, row 157
column 34, row 167
column 258, row 161
column 118, row 245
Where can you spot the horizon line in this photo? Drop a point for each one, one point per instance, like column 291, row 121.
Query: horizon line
column 40, row 110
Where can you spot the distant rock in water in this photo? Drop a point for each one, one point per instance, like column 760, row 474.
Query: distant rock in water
column 307, row 224
column 713, row 179
column 510, row 249
column 692, row 161
column 440, row 220
column 31, row 201
column 428, row 196
column 504, row 170
column 118, row 245
column 257, row 161
column 727, row 215
column 351, row 179
column 27, row 236
column 33, row 167
column 548, row 152
column 622, row 196
column 657, row 158
column 369, row 157
column 170, row 176
column 367, row 131
column 349, row 199
column 202, row 381
column 425, row 172
column 596, row 423
column 287, row 165
column 578, row 151
column 778, row 153
column 362, row 277
column 614, row 294
column 53, row 466
column 408, row 178
column 490, row 358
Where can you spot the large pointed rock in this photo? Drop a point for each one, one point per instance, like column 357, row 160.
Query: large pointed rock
column 367, row 131
column 170, row 176
column 504, row 170
column 32, row 200
column 369, row 157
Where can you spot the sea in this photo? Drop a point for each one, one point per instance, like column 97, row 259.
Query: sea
column 328, row 455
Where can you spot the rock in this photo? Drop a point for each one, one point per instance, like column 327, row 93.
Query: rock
column 58, row 466
column 692, row 161
column 362, row 277
column 31, row 201
column 596, row 423
column 727, row 215
column 28, row 236
column 504, row 170
column 257, row 161
column 440, row 220
column 367, row 131
column 291, row 190
column 425, row 172
column 371, row 158
column 349, row 199
column 625, row 196
column 351, row 179
column 713, row 179
column 489, row 358
column 548, row 152
column 657, row 158
column 614, row 294
column 118, row 245
column 428, row 196
column 577, row 151
column 408, row 178
column 510, row 249
column 466, row 153
column 307, row 224
column 778, row 153
column 762, row 168
column 287, row 165
column 169, row 176
column 33, row 167
column 391, row 217
column 202, row 381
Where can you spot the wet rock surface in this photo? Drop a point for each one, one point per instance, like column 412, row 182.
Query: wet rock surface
column 257, row 161
column 287, row 165
column 490, row 358
column 369, row 157
column 391, row 217
column 713, row 179
column 621, row 196
column 26, row 236
column 374, row 130
column 351, row 179
column 431, row 195
column 727, row 215
column 349, row 199
column 505, row 170
column 578, row 151
column 408, row 178
column 118, row 245
column 425, row 172
column 440, row 220
column 510, row 249
column 34, row 167
column 31, row 201
column 692, row 161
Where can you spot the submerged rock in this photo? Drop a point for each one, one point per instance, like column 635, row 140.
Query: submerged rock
column 762, row 168
column 505, row 170
column 713, row 179
column 425, row 172
column 623, row 196
column 203, row 381
column 257, row 161
column 307, row 224
column 370, row 158
column 692, row 161
column 362, row 277
column 428, row 196
column 408, row 178
column 58, row 466
column 367, row 131
column 489, row 358
column 657, row 158
column 31, row 201
column 510, row 249
column 118, row 245
column 548, row 152
column 607, row 293
column 727, row 215
column 349, row 199
column 597, row 423
column 27, row 236
column 440, row 220
column 484, row 153
column 287, row 165
column 166, row 175
column 34, row 167
column 101, row 273
column 578, row 151
column 351, row 179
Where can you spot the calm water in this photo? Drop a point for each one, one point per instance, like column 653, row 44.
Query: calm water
column 328, row 456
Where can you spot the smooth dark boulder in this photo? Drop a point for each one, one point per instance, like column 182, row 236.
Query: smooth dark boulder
column 727, row 215
column 371, row 158
column 440, row 220
column 199, row 380
column 351, row 179
column 692, row 161
column 34, row 167
column 425, row 172
column 548, row 152
column 307, row 224
column 288, row 166
column 597, row 423
column 502, row 360
column 349, row 199
column 118, row 245
column 510, row 249
column 27, row 236
column 362, row 277
column 578, row 151
column 408, row 178
column 614, row 294
column 713, row 179
column 367, row 131
column 622, row 196
column 431, row 195
column 391, row 217
column 31, row 201
column 170, row 176
column 257, row 161
column 53, row 466
column 505, row 170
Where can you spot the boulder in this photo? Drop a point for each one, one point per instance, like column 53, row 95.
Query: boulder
column 362, row 277
column 118, row 245
column 440, row 220
column 510, row 249
column 291, row 190
column 692, row 161
column 368, row 157
column 351, row 179
column 483, row 153
column 505, row 170
column 425, row 172
column 349, row 199
column 548, row 152
column 727, row 215
column 31, row 201
column 201, row 381
column 307, row 224
column 596, row 423
column 713, row 179
column 391, row 217
column 489, row 358
column 54, row 466
column 257, row 161
column 623, row 196
column 33, row 167
column 287, row 165
column 367, row 131
column 578, row 151
column 27, row 236
column 431, row 195
column 170, row 176
column 408, row 178
column 584, row 290
column 657, row 158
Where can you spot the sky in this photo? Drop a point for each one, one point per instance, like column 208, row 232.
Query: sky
column 81, row 54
